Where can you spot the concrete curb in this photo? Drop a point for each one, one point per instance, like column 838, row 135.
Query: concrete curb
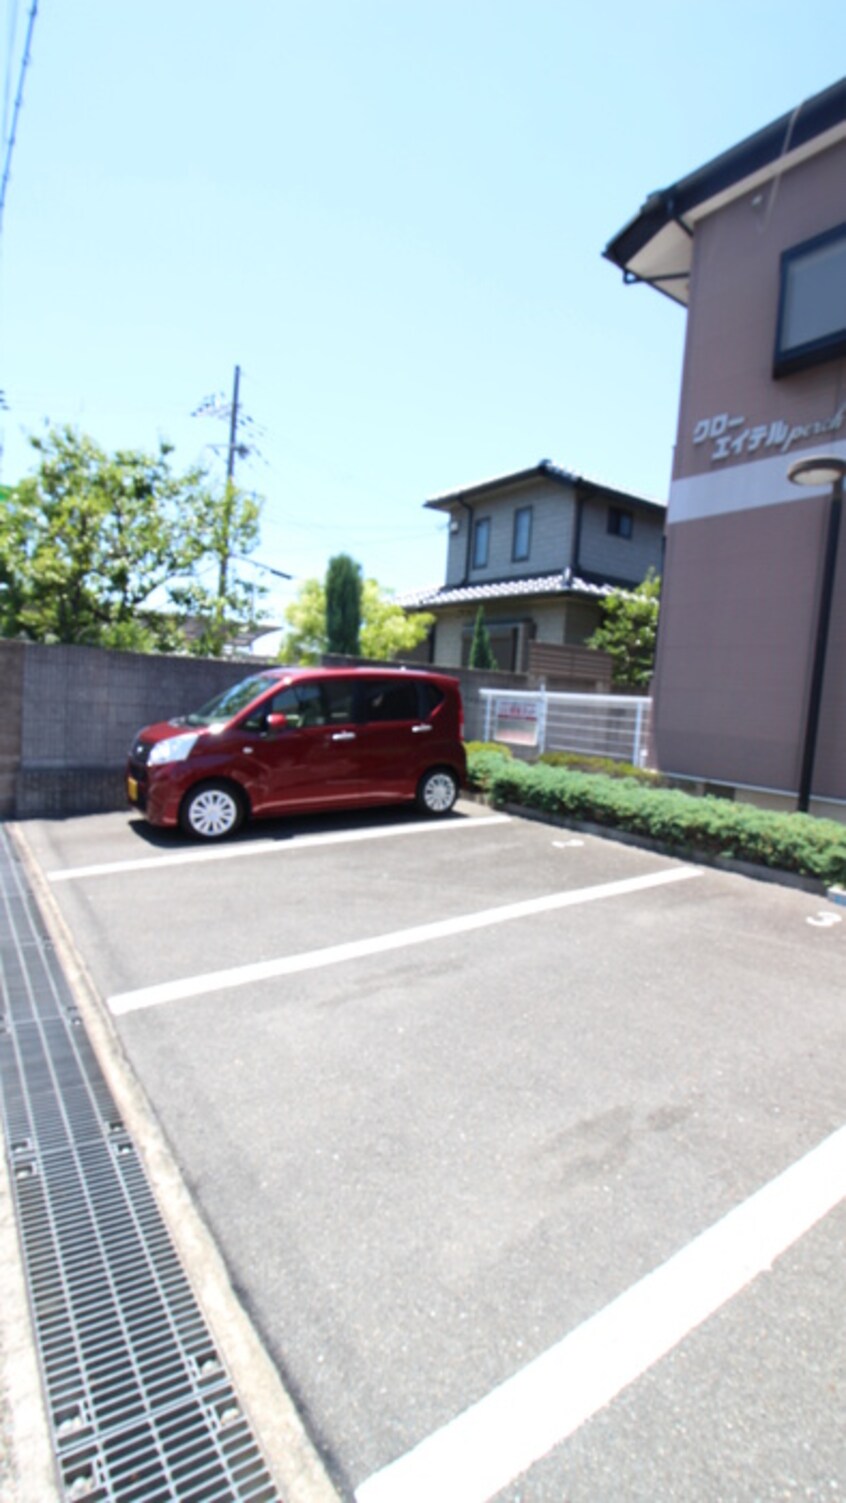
column 753, row 870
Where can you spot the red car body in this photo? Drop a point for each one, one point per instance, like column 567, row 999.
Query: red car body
column 297, row 740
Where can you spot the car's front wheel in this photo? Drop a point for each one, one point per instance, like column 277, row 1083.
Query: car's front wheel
column 211, row 812
column 437, row 791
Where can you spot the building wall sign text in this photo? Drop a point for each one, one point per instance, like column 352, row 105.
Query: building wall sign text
column 733, row 436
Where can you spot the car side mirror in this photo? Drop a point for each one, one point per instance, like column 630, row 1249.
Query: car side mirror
column 276, row 721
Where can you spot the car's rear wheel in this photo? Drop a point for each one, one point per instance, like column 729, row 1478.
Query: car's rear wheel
column 211, row 812
column 437, row 791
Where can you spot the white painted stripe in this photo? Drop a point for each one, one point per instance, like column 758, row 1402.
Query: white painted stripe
column 269, row 847
column 742, row 487
column 380, row 944
column 478, row 1454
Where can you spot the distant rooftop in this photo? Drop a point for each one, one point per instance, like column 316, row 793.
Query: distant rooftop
column 545, row 469
column 502, row 589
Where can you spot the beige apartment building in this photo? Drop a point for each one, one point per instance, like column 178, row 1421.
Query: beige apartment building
column 750, row 682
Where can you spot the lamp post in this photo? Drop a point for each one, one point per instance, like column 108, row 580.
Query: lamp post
column 818, row 470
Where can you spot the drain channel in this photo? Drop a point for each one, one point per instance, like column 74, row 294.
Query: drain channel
column 140, row 1404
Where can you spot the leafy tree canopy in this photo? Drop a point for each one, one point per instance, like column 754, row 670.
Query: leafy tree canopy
column 386, row 631
column 628, row 632
column 90, row 537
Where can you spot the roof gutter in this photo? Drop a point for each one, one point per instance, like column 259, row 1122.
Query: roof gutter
column 799, row 128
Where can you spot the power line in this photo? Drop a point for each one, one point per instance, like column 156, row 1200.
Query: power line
column 10, row 144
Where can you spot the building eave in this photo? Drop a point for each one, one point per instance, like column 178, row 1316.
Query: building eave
column 656, row 246
column 544, row 470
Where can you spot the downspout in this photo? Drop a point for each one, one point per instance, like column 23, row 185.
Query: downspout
column 576, row 540
column 469, row 510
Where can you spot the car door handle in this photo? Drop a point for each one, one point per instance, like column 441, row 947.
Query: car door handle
column 343, row 735
column 417, row 730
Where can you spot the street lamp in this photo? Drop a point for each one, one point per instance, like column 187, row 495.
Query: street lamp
column 818, row 470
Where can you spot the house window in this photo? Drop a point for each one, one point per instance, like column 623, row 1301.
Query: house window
column 812, row 303
column 620, row 522
column 522, row 540
column 481, row 542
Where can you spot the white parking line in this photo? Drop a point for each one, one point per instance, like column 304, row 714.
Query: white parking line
column 311, row 960
column 478, row 1454
column 268, row 847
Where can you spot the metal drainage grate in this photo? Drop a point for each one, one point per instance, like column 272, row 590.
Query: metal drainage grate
column 140, row 1404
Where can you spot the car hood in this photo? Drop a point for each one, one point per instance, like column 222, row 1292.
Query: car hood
column 164, row 728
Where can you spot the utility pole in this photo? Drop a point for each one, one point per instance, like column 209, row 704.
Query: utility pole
column 233, row 426
column 217, row 406
column 229, row 494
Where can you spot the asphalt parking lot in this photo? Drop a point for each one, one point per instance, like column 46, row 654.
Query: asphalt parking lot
column 492, row 1124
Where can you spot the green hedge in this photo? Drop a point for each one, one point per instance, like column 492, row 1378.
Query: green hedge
column 581, row 762
column 693, row 826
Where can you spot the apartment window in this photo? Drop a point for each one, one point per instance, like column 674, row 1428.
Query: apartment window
column 522, row 540
column 620, row 522
column 481, row 542
column 812, row 303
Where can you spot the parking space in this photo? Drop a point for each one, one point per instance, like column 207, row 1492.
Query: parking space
column 450, row 1094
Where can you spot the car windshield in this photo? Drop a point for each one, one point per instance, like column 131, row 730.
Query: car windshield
column 227, row 704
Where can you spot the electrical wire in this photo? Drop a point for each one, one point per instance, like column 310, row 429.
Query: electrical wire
column 11, row 33
column 16, row 109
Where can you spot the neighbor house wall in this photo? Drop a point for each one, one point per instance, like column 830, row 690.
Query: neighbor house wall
column 551, row 540
column 619, row 558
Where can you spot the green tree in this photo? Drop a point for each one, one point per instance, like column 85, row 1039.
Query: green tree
column 90, row 541
column 343, row 606
column 387, row 631
column 305, row 641
column 481, row 652
column 628, row 632
column 224, row 530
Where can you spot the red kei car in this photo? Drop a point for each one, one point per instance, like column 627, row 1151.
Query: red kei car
column 302, row 739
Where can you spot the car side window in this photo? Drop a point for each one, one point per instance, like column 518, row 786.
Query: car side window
column 339, row 694
column 430, row 697
column 300, row 703
column 284, row 702
column 385, row 699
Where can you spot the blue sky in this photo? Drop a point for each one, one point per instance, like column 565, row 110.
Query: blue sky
column 390, row 214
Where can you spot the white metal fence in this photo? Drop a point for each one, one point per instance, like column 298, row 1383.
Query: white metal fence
column 599, row 725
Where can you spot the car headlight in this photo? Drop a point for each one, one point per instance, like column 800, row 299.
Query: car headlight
column 172, row 749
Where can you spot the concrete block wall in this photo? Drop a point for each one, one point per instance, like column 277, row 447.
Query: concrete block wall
column 68, row 716
column 11, row 720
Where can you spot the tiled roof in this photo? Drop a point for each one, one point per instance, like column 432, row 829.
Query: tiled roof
column 503, row 589
column 547, row 468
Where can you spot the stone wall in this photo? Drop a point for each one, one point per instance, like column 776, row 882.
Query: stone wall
column 11, row 721
column 68, row 716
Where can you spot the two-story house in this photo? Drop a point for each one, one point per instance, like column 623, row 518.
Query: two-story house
column 539, row 549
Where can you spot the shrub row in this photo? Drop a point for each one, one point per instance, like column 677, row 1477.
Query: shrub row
column 581, row 762
column 693, row 826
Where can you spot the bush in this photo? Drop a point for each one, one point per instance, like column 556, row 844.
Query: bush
column 483, row 760
column 473, row 748
column 693, row 826
column 582, row 762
